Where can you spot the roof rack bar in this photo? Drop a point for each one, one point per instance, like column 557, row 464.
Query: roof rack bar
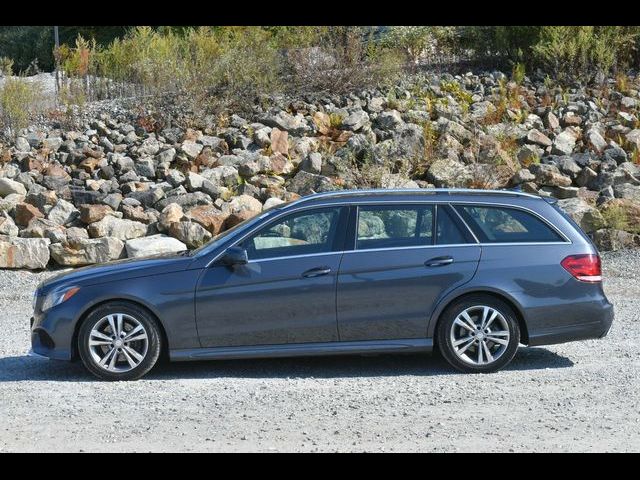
column 425, row 191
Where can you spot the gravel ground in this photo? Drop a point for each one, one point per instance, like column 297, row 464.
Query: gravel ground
column 582, row 396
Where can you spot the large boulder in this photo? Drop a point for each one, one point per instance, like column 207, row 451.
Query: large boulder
column 611, row 239
column 87, row 251
column 8, row 186
column 564, row 143
column 549, row 175
column 63, row 213
column 305, row 183
column 153, row 245
column 94, row 213
column 588, row 217
column 192, row 234
column 119, row 228
column 445, row 172
column 31, row 253
column 209, row 216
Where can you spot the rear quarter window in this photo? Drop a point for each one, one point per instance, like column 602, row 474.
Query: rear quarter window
column 493, row 224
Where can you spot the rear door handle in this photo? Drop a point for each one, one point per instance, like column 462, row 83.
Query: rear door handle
column 438, row 261
column 316, row 272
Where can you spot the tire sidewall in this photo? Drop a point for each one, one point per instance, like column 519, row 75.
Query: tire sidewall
column 449, row 315
column 150, row 325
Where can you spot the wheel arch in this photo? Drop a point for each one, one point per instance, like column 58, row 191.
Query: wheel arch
column 164, row 352
column 492, row 292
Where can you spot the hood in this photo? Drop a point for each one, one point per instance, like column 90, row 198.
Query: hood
column 118, row 270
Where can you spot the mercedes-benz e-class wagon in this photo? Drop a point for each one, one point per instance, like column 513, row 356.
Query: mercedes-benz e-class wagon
column 473, row 273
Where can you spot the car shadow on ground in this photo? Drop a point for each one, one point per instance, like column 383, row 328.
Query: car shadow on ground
column 26, row 368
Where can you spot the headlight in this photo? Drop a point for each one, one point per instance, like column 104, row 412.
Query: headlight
column 57, row 297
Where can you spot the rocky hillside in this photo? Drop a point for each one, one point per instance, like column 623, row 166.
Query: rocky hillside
column 118, row 186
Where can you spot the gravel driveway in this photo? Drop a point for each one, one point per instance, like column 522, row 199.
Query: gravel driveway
column 582, row 396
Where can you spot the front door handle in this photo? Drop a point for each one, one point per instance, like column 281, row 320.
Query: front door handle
column 316, row 272
column 438, row 261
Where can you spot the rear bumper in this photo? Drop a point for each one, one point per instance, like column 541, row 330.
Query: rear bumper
column 597, row 326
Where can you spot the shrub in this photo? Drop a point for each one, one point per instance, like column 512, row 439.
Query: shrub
column 615, row 217
column 18, row 101
column 583, row 52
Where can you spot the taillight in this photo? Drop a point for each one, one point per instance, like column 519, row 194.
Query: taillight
column 585, row 268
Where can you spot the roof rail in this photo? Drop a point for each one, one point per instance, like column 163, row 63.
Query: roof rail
column 422, row 191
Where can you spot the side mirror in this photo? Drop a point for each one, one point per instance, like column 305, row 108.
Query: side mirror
column 234, row 256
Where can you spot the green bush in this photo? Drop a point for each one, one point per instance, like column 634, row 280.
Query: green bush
column 18, row 101
column 578, row 52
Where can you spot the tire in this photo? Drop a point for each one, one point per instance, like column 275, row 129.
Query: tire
column 110, row 356
column 460, row 345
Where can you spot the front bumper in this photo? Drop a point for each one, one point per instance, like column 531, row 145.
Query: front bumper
column 52, row 333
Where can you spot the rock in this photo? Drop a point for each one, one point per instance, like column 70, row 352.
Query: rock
column 111, row 226
column 627, row 119
column 536, row 137
column 30, row 253
column 571, row 119
column 564, row 143
column 629, row 102
column 185, row 200
column 355, row 120
column 305, row 183
column 586, row 177
column 551, row 121
column 279, row 141
column 8, row 186
column 172, row 213
column 262, row 137
column 295, row 125
column 448, row 173
column 238, row 217
column 588, row 217
column 75, row 236
column 529, row 154
column 22, row 145
column 549, row 175
column 113, row 200
column 63, row 213
column 628, row 191
column 192, row 234
column 153, row 245
column 610, row 239
column 396, row 180
column 389, row 120
column 94, row 213
column 523, row 175
column 312, row 164
column 26, row 212
column 633, row 137
column 272, row 202
column 245, row 202
column 191, row 149
column 8, row 226
column 209, row 216
column 87, row 251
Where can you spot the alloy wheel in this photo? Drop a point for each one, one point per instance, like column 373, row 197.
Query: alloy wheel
column 118, row 343
column 479, row 335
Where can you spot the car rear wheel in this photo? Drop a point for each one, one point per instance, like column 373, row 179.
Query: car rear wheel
column 119, row 341
column 478, row 333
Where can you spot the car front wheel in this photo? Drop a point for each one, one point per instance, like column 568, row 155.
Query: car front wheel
column 478, row 333
column 119, row 341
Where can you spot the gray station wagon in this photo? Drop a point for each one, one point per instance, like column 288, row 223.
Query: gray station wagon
column 474, row 273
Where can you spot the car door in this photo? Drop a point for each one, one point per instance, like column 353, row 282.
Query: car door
column 397, row 269
column 286, row 291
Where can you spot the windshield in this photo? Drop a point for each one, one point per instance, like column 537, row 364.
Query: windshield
column 245, row 225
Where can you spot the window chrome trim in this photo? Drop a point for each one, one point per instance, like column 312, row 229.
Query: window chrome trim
column 260, row 260
column 287, row 210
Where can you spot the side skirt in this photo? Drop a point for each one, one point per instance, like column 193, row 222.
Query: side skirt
column 303, row 349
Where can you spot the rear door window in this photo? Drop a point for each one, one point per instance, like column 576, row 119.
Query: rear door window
column 493, row 224
column 447, row 230
column 394, row 226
